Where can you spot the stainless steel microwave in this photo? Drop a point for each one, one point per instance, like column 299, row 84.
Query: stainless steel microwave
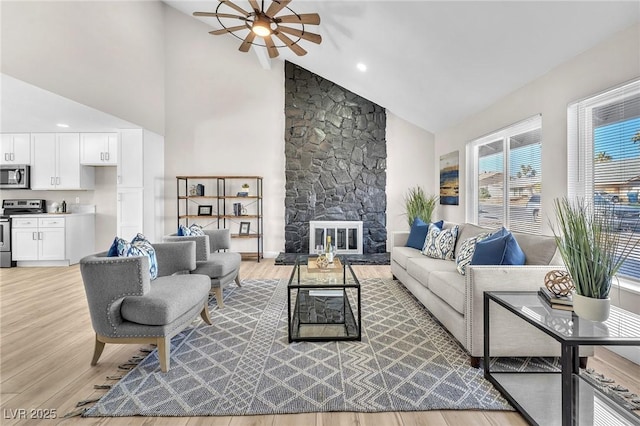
column 14, row 176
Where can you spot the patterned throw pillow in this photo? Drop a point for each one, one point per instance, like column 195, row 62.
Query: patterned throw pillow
column 440, row 244
column 467, row 248
column 139, row 246
column 194, row 229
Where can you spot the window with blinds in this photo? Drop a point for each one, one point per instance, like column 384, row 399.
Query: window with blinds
column 506, row 177
column 604, row 161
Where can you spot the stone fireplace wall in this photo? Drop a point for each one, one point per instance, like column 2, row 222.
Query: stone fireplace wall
column 336, row 154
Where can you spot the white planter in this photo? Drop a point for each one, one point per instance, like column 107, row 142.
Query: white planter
column 590, row 308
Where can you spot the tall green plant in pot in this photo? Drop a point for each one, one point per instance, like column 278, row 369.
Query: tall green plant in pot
column 593, row 251
column 419, row 204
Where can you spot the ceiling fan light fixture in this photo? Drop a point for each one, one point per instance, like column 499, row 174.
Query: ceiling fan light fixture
column 262, row 27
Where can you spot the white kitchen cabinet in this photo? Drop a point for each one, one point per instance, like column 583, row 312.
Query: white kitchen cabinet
column 15, row 148
column 56, row 163
column 130, row 214
column 99, row 149
column 38, row 239
column 52, row 240
column 140, row 184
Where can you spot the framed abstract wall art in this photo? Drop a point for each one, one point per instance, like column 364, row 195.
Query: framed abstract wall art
column 449, row 179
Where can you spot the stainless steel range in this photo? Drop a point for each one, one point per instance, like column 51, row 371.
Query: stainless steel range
column 12, row 208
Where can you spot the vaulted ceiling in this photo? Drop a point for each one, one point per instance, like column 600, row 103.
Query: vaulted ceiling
column 435, row 63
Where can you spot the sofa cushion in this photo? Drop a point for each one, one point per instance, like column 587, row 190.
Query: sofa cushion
column 500, row 248
column 168, row 298
column 421, row 267
column 538, row 249
column 219, row 264
column 467, row 248
column 418, row 233
column 468, row 230
column 401, row 254
column 448, row 286
column 440, row 242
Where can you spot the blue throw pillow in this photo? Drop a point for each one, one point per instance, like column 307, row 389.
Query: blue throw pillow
column 194, row 229
column 418, row 233
column 139, row 246
column 500, row 248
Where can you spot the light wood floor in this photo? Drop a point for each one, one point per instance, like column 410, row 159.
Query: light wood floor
column 46, row 343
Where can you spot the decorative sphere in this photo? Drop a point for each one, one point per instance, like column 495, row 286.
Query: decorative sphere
column 558, row 282
column 322, row 261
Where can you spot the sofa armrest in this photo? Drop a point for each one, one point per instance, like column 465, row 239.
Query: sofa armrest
column 495, row 278
column 399, row 238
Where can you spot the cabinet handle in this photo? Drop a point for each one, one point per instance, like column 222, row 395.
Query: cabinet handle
column 34, row 236
column 106, row 156
column 119, row 179
column 13, row 156
column 58, row 180
column 53, row 181
column 102, row 156
column 39, row 235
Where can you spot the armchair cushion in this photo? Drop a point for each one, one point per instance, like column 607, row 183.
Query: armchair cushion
column 166, row 300
column 219, row 264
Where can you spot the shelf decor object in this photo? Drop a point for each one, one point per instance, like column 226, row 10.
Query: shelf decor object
column 221, row 208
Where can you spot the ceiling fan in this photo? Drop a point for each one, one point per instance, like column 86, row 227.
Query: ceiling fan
column 264, row 23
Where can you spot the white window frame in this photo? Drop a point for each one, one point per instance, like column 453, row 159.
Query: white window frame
column 580, row 150
column 472, row 150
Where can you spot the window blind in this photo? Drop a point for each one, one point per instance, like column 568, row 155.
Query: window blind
column 604, row 160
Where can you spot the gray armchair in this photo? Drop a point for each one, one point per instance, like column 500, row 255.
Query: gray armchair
column 127, row 307
column 222, row 267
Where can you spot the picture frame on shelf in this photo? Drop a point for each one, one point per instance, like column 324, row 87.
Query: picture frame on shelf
column 244, row 228
column 205, row 210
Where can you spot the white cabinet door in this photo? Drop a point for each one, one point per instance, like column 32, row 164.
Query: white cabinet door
column 24, row 244
column 130, row 159
column 15, row 148
column 51, row 244
column 43, row 172
column 99, row 149
column 68, row 159
column 130, row 212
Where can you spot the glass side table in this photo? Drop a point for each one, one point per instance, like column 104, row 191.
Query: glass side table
column 323, row 303
column 566, row 398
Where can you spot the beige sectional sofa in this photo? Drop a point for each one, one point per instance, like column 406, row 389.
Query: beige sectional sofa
column 456, row 300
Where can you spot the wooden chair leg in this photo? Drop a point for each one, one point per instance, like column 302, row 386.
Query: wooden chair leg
column 205, row 314
column 97, row 351
column 218, row 292
column 238, row 280
column 164, row 348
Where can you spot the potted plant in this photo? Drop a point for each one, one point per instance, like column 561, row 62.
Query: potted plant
column 419, row 204
column 593, row 251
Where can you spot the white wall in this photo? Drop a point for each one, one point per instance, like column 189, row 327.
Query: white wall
column 612, row 62
column 410, row 163
column 608, row 64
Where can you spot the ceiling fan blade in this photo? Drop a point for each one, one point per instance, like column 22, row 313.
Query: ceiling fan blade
column 254, row 5
column 228, row 30
column 293, row 46
column 314, row 38
column 303, row 18
column 219, row 15
column 246, row 44
column 276, row 6
column 271, row 48
column 234, row 7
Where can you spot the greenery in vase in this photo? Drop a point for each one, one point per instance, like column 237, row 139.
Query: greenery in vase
column 419, row 204
column 590, row 245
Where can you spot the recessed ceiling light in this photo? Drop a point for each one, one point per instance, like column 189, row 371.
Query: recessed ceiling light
column 62, row 125
column 362, row 67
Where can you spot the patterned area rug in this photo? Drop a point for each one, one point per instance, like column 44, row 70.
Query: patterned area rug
column 244, row 365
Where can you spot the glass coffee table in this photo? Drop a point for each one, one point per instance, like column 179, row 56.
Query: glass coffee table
column 323, row 303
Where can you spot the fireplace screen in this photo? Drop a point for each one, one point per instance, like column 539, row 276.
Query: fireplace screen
column 345, row 235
